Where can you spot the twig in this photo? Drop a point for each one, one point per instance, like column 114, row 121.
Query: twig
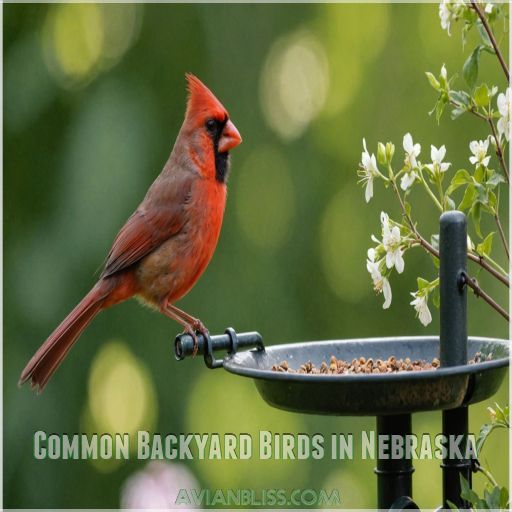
column 483, row 263
column 477, row 259
column 487, row 28
column 473, row 284
column 485, row 472
column 502, row 234
column 471, row 110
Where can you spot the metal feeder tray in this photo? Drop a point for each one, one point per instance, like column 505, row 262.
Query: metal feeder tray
column 371, row 394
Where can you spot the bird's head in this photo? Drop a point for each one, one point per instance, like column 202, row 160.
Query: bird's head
column 211, row 130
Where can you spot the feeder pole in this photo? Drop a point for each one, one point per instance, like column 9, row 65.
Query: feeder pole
column 453, row 342
column 394, row 475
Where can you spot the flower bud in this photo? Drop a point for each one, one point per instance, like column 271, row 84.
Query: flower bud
column 390, row 151
column 381, row 154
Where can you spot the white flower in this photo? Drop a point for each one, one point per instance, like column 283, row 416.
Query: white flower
column 367, row 172
column 479, row 150
column 157, row 486
column 437, row 156
column 391, row 241
column 449, row 10
column 505, row 107
column 411, row 151
column 407, row 180
column 420, row 304
column 380, row 283
column 386, row 290
column 489, row 7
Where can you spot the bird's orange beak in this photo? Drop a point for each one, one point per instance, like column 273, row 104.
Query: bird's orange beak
column 230, row 137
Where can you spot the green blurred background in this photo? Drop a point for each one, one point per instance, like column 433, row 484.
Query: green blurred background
column 94, row 96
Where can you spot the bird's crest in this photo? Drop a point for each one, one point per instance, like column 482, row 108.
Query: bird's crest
column 201, row 100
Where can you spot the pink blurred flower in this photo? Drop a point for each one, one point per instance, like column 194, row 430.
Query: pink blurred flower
column 157, row 486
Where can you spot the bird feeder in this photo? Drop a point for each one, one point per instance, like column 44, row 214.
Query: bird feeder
column 391, row 397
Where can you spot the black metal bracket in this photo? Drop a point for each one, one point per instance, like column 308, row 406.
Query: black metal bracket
column 206, row 345
column 404, row 503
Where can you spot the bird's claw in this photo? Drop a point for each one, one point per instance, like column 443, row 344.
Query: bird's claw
column 192, row 330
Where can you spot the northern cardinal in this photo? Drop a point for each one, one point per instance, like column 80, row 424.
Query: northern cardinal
column 165, row 246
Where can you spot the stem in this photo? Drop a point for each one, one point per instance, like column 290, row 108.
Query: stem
column 502, row 234
column 499, row 149
column 430, row 193
column 487, row 28
column 488, row 474
column 473, row 284
column 440, row 189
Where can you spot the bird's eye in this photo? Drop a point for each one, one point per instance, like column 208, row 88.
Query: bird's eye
column 211, row 124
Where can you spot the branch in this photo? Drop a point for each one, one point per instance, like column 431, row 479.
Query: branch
column 473, row 284
column 502, row 234
column 487, row 28
column 483, row 263
column 499, row 149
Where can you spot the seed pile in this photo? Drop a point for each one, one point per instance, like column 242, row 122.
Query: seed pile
column 363, row 365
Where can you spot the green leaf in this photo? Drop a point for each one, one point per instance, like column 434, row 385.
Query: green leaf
column 485, row 248
column 461, row 178
column 495, row 179
column 470, row 69
column 483, row 34
column 476, row 216
column 469, row 196
column 480, row 174
column 435, row 260
column 433, row 81
column 452, row 505
column 461, row 97
column 504, row 498
column 482, row 98
column 485, row 430
column 436, row 299
column 457, row 112
column 449, row 203
column 493, row 200
column 492, row 499
column 434, row 240
column 482, row 194
column 467, row 493
column 422, row 284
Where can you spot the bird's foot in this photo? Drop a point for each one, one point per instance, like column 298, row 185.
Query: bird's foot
column 198, row 326
column 191, row 331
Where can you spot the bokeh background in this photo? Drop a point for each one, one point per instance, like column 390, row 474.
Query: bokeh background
column 94, row 96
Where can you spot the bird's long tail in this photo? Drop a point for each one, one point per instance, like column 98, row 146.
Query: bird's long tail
column 51, row 353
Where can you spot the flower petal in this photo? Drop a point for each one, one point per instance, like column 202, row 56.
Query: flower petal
column 386, row 290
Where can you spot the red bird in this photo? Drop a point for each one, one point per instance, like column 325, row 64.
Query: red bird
column 166, row 244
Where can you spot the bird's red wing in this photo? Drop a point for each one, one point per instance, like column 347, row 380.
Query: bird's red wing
column 153, row 223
